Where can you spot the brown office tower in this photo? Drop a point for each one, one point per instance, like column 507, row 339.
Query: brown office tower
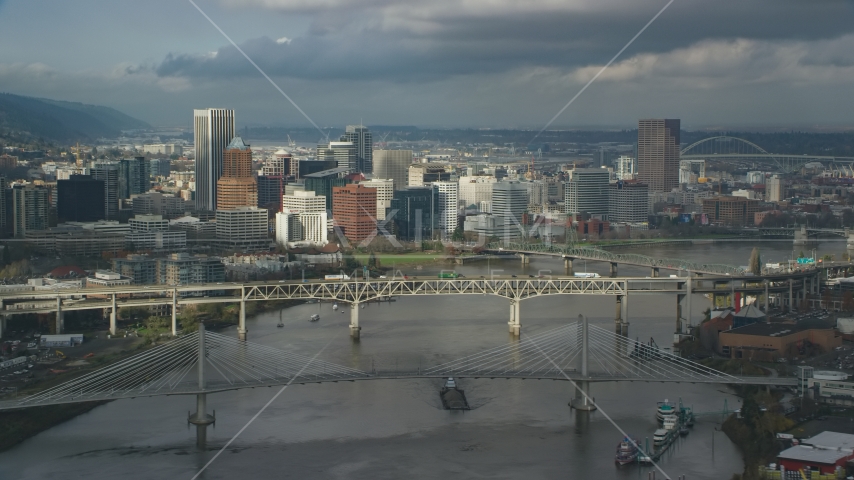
column 237, row 187
column 354, row 208
column 658, row 154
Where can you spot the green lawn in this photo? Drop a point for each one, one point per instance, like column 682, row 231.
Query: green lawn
column 389, row 259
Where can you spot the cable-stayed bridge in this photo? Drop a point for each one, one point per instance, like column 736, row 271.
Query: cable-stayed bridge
column 207, row 362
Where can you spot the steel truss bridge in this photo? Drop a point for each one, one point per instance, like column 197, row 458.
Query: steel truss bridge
column 206, row 362
column 357, row 292
column 732, row 148
column 573, row 252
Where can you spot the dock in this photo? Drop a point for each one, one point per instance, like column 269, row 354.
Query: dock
column 685, row 418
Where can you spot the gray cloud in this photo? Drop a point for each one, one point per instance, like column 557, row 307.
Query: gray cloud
column 426, row 41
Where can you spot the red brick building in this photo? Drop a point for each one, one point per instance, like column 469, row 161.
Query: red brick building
column 354, row 209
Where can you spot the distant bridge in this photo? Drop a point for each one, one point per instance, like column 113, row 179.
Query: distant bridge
column 572, row 252
column 731, row 148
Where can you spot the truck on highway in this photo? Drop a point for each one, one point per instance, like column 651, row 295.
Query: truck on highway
column 337, row 277
column 586, row 275
column 449, row 275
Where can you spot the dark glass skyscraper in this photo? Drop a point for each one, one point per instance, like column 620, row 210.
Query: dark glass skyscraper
column 80, row 199
column 658, row 153
column 413, row 212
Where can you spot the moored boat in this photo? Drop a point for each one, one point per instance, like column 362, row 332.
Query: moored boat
column 627, row 451
column 660, row 436
column 664, row 408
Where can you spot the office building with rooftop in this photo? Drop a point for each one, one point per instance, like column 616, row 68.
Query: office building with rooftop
column 354, row 211
column 237, row 186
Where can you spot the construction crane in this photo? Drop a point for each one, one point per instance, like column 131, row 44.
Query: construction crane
column 530, row 174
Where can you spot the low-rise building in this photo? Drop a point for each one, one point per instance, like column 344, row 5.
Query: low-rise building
column 825, row 453
column 771, row 341
column 104, row 278
column 730, row 210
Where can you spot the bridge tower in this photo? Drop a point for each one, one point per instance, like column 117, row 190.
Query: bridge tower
column 113, row 316
column 241, row 323
column 174, row 313
column 201, row 419
column 583, row 401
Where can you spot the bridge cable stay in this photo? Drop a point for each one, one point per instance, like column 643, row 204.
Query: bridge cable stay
column 164, row 370
column 611, row 357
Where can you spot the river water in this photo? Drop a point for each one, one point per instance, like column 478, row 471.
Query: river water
column 397, row 429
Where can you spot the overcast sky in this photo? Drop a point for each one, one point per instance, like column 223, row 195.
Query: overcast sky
column 478, row 63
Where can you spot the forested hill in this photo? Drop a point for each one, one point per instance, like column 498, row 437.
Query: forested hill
column 61, row 122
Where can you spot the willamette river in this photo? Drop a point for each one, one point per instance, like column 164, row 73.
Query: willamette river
column 396, row 429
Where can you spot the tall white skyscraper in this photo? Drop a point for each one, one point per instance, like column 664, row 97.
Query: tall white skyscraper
column 213, row 129
column 448, row 207
column 360, row 137
column 393, row 164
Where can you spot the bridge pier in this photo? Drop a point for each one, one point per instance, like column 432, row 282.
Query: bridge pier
column 613, row 269
column 174, row 313
column 60, row 319
column 688, row 315
column 515, row 323
column 791, row 296
column 679, row 297
column 766, row 296
column 624, row 326
column 201, row 419
column 355, row 329
column 567, row 265
column 113, row 317
column 241, row 322
column 654, row 273
column 525, row 258
column 618, row 315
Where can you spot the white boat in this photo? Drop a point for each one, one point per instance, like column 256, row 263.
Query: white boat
column 334, row 306
column 664, row 408
column 660, row 436
column 315, row 317
column 670, row 422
